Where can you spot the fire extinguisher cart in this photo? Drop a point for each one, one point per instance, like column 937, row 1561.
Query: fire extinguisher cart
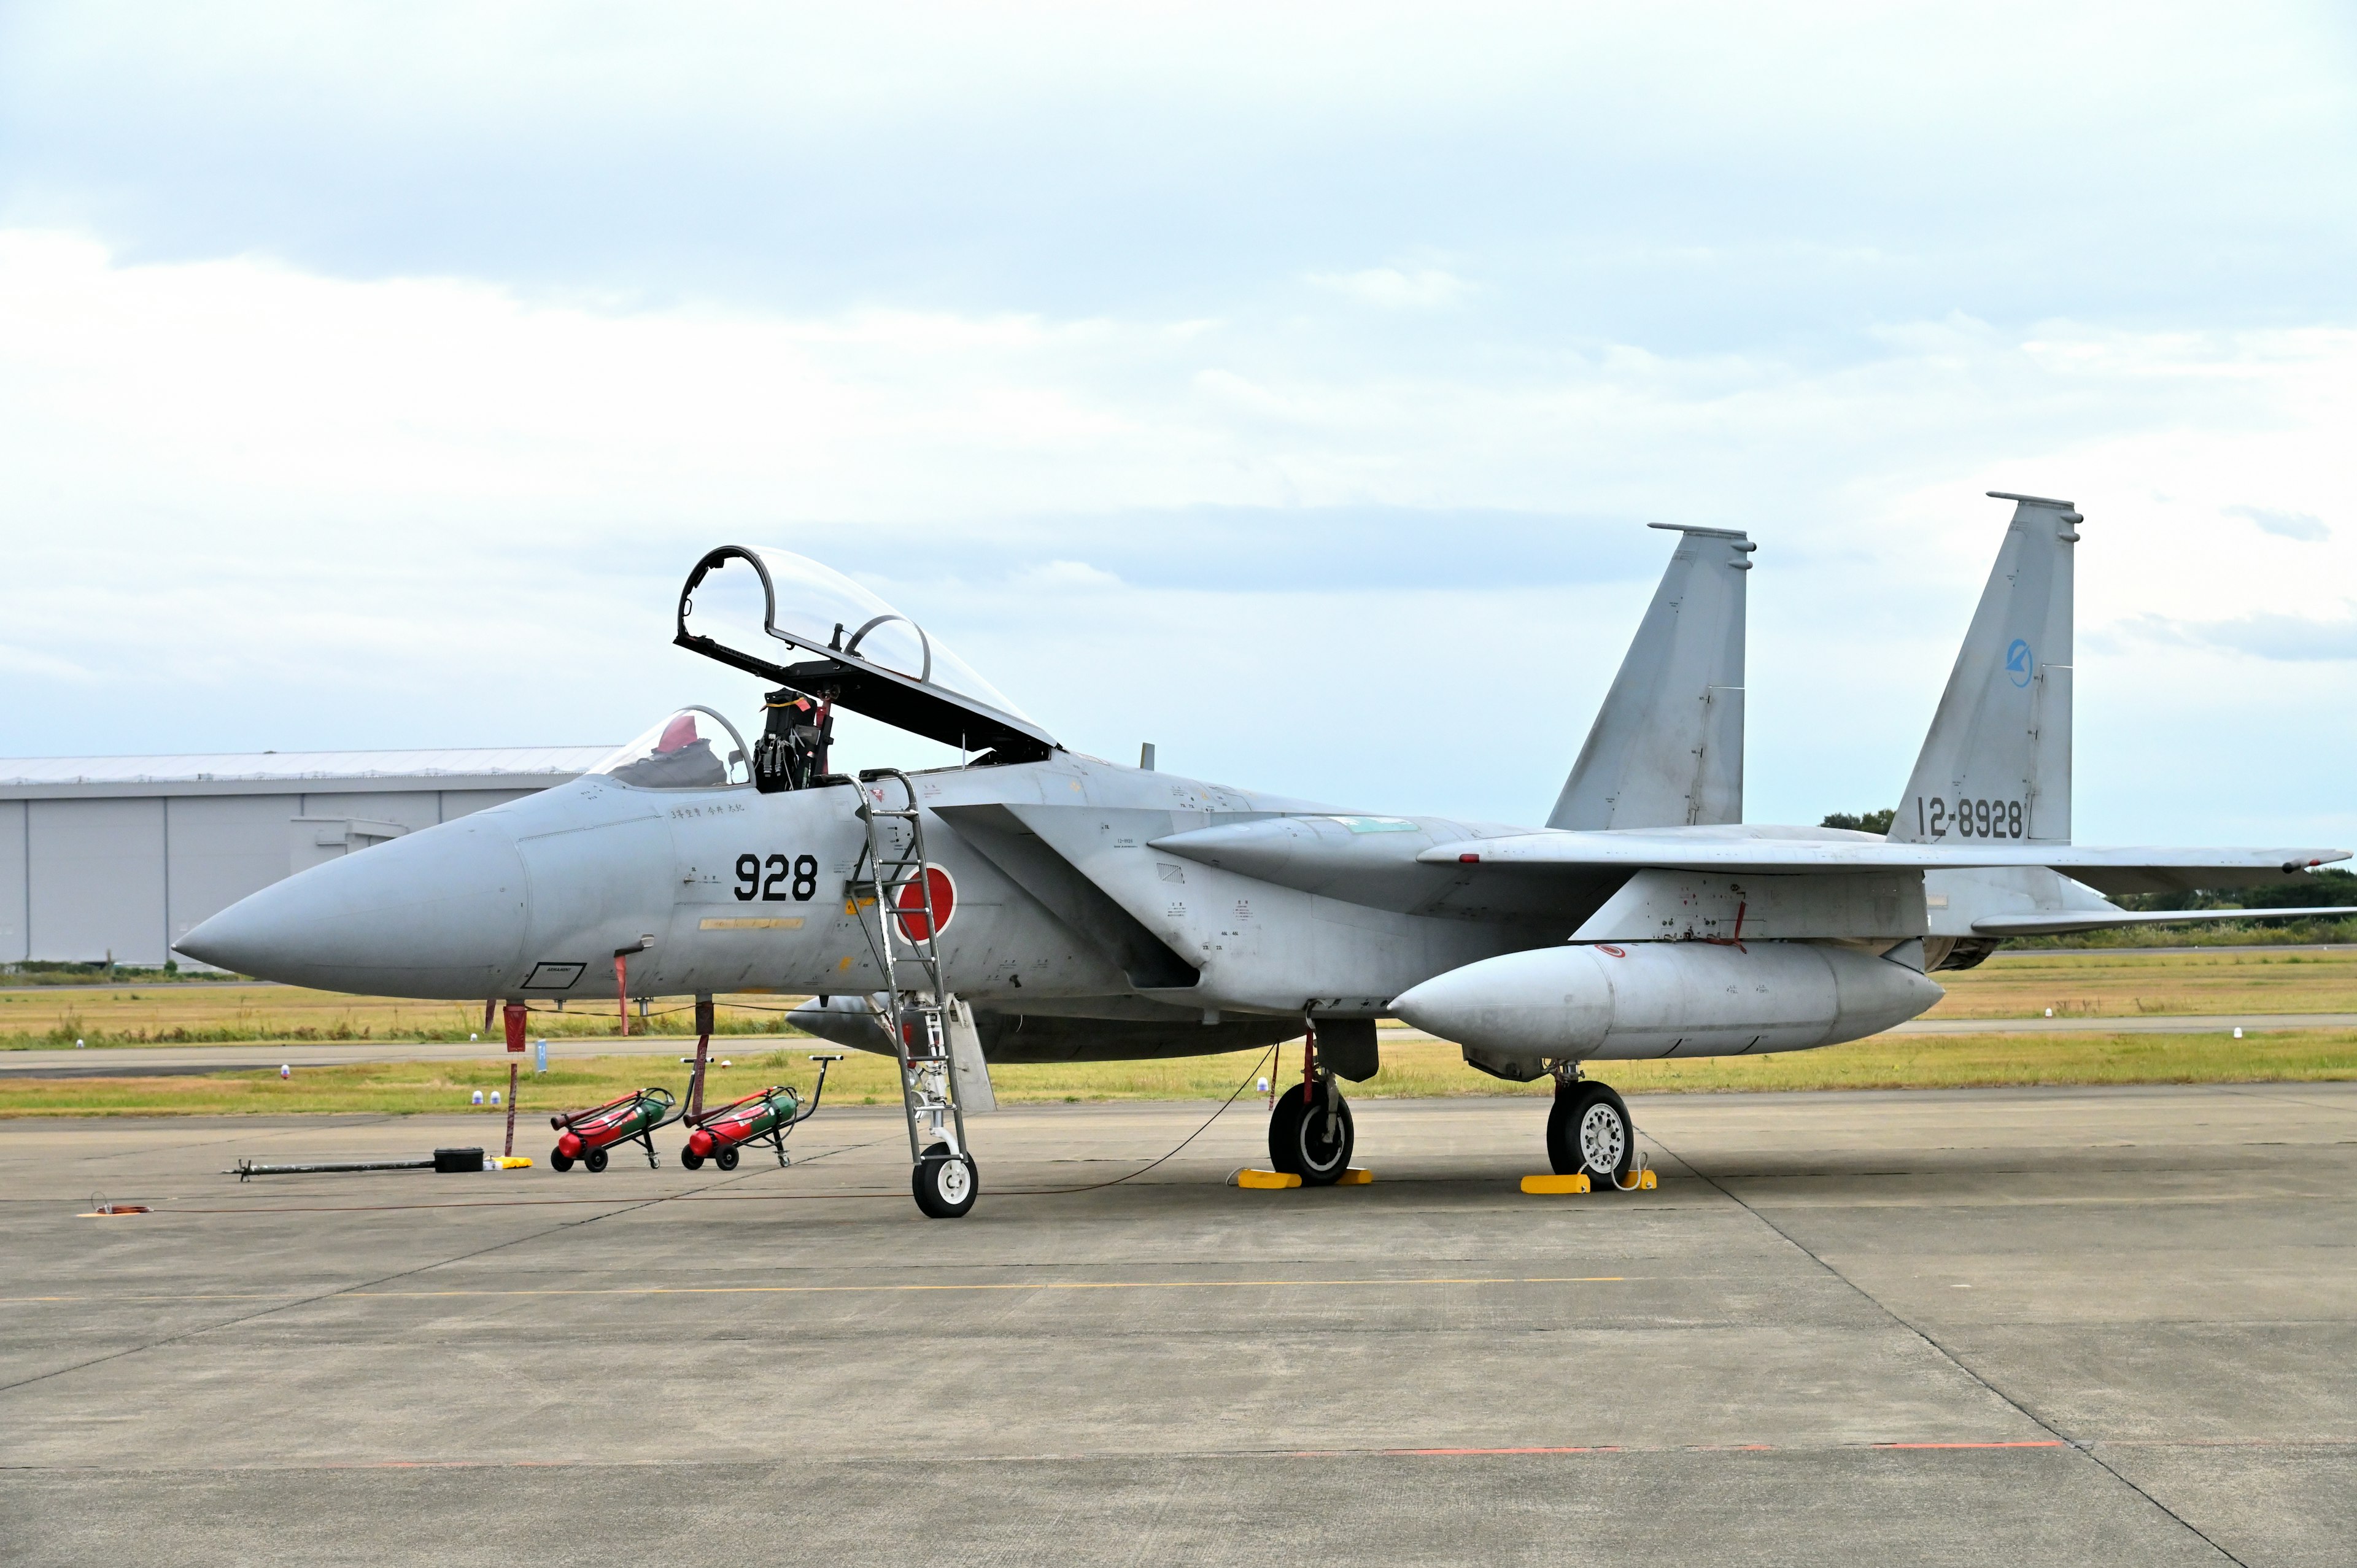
column 636, row 1117
column 763, row 1118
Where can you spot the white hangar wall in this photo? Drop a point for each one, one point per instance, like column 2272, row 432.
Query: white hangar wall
column 121, row 856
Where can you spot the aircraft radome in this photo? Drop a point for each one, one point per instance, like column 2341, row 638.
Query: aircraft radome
column 1037, row 905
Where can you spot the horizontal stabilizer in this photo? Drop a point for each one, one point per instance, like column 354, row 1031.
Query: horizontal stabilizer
column 2062, row 922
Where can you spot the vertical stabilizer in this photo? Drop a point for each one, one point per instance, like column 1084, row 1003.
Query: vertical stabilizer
column 1666, row 749
column 1997, row 764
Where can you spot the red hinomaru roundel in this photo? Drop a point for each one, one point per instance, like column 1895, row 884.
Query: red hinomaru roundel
column 911, row 902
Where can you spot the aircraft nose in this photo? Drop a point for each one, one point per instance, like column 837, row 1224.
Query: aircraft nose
column 439, row 912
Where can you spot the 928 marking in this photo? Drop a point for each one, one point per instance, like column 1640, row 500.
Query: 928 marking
column 1970, row 819
column 770, row 880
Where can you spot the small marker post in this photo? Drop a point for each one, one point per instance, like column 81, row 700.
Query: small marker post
column 515, row 1015
column 703, row 1056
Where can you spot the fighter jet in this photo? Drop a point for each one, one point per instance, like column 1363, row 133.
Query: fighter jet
column 1033, row 904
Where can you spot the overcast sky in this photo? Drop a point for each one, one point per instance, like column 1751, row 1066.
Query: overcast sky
column 1286, row 385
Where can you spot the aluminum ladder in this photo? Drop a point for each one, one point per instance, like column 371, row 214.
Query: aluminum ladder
column 917, row 1001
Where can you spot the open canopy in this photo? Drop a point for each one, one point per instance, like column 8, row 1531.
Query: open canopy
column 750, row 608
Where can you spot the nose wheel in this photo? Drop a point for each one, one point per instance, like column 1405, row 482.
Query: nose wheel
column 1588, row 1134
column 945, row 1184
column 1311, row 1138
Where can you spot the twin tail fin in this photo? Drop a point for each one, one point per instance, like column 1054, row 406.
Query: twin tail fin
column 1666, row 749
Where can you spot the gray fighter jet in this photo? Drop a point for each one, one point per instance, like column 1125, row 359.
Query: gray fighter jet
column 1037, row 905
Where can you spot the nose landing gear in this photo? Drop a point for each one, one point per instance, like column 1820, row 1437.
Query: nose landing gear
column 944, row 1183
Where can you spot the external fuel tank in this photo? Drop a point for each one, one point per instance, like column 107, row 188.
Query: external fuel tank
column 1662, row 999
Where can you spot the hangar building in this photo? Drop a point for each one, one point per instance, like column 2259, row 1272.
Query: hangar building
column 120, row 857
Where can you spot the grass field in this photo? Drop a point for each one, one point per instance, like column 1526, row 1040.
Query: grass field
column 1413, row 1068
column 223, row 1014
column 2075, row 984
column 2116, row 985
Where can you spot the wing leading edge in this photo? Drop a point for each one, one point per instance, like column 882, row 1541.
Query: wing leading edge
column 2110, row 870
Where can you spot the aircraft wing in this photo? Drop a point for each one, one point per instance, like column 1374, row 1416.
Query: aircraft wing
column 2108, row 870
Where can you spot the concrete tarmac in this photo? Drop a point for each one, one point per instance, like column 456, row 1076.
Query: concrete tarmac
column 2010, row 1327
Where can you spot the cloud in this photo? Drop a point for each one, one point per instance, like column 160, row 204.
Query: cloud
column 1426, row 289
column 1064, row 577
column 2285, row 524
column 438, row 510
column 2269, row 635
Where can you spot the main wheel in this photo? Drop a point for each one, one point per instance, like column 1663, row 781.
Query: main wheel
column 595, row 1160
column 1589, row 1133
column 944, row 1183
column 559, row 1161
column 690, row 1159
column 726, row 1158
column 1304, row 1141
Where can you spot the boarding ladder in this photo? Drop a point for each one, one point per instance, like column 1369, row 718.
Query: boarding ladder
column 916, row 1000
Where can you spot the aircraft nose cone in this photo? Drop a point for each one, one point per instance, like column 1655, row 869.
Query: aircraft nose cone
column 436, row 913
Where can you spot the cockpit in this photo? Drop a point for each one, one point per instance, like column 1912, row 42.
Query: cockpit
column 827, row 643
column 695, row 748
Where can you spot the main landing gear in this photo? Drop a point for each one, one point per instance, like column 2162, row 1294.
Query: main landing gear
column 1589, row 1132
column 1309, row 1131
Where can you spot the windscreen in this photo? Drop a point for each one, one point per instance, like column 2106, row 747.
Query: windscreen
column 693, row 749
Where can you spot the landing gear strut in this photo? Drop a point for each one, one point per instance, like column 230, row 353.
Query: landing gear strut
column 1309, row 1130
column 1589, row 1132
column 945, row 1184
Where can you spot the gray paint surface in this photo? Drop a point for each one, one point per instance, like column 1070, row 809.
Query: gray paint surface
column 1667, row 748
column 2124, row 1304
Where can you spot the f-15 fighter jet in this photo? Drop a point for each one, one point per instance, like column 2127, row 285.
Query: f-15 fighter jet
column 1037, row 905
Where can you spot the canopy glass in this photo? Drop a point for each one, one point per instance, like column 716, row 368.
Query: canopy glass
column 694, row 748
column 742, row 603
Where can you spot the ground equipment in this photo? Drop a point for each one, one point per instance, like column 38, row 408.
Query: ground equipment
column 907, row 901
column 763, row 1118
column 586, row 1135
column 447, row 1161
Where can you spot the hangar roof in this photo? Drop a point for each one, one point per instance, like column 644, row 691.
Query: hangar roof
column 284, row 772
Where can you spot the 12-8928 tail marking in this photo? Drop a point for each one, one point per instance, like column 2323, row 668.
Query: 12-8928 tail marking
column 1969, row 819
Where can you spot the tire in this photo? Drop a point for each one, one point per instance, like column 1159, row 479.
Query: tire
column 945, row 1185
column 559, row 1162
column 690, row 1160
column 1589, row 1133
column 726, row 1158
column 1281, row 1136
column 595, row 1160
column 1298, row 1143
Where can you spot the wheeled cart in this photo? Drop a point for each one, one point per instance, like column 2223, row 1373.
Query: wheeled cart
column 763, row 1118
column 586, row 1135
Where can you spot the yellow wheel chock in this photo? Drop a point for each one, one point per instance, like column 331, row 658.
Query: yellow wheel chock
column 1645, row 1182
column 1273, row 1181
